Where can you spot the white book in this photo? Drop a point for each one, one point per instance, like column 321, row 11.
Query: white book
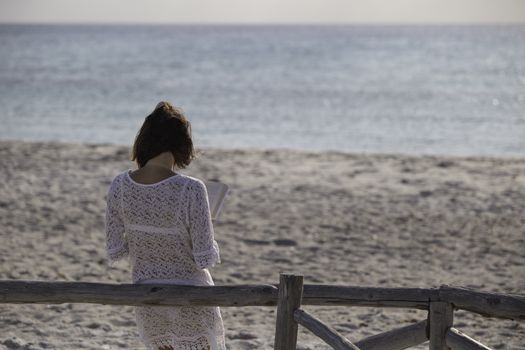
column 217, row 192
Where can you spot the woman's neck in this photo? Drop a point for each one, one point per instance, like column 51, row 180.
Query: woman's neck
column 164, row 160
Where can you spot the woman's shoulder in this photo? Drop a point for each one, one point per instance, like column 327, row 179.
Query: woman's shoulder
column 192, row 181
column 117, row 179
column 120, row 176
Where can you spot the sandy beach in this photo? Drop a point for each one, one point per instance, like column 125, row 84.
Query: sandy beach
column 336, row 218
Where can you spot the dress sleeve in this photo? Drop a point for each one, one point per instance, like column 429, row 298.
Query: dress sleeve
column 205, row 248
column 116, row 243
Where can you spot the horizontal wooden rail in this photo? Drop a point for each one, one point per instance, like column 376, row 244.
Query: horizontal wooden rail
column 396, row 339
column 136, row 294
column 319, row 294
column 177, row 295
column 326, row 333
column 40, row 292
column 460, row 341
column 485, row 303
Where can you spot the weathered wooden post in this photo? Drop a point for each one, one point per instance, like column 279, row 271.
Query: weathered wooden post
column 440, row 319
column 290, row 295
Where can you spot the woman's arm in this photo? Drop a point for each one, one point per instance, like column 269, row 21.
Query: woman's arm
column 116, row 243
column 205, row 248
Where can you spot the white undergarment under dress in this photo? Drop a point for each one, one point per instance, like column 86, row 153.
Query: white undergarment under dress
column 166, row 232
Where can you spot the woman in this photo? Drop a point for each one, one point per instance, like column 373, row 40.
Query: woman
column 161, row 221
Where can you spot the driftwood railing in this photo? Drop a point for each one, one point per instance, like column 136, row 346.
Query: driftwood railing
column 289, row 295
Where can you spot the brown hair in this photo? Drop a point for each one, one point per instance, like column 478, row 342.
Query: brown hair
column 166, row 129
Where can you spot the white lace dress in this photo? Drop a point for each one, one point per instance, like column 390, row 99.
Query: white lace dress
column 165, row 230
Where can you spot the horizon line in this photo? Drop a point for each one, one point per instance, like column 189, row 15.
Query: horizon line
column 268, row 23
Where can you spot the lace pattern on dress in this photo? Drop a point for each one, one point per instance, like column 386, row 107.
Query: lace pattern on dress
column 195, row 343
column 210, row 257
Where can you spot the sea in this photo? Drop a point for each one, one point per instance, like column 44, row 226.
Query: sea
column 410, row 89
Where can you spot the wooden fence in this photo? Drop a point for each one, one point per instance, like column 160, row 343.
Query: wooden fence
column 289, row 295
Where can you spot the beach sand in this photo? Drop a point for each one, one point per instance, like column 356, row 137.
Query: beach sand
column 346, row 219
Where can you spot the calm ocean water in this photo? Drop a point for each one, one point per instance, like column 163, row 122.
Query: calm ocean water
column 456, row 90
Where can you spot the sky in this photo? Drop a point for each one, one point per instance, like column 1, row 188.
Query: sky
column 262, row 11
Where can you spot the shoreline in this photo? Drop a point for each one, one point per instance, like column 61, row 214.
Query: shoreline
column 371, row 220
column 474, row 157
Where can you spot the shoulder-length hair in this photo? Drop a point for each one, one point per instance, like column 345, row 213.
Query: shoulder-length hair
column 166, row 129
